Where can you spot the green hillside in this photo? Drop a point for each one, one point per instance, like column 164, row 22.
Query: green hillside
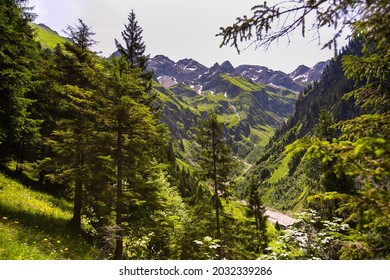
column 36, row 225
column 47, row 37
column 251, row 112
column 284, row 180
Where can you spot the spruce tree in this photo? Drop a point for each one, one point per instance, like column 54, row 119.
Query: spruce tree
column 73, row 137
column 133, row 146
column 216, row 162
column 258, row 211
column 134, row 49
column 19, row 132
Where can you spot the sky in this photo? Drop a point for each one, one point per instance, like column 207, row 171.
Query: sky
column 179, row 29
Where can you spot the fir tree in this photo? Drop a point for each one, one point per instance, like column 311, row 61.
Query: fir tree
column 134, row 146
column 74, row 134
column 258, row 211
column 19, row 132
column 216, row 163
column 134, row 49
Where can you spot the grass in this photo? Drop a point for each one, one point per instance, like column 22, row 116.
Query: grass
column 262, row 133
column 35, row 225
column 240, row 82
column 48, row 38
column 282, row 169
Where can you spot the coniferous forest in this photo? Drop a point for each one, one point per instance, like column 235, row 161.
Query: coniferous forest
column 93, row 167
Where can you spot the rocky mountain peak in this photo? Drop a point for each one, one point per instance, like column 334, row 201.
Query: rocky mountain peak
column 191, row 72
column 227, row 67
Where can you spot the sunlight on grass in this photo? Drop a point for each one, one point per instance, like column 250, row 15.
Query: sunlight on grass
column 35, row 225
column 282, row 170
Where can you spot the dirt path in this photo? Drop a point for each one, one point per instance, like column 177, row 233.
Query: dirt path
column 282, row 219
column 275, row 216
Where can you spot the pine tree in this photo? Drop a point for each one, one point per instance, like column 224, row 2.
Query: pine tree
column 135, row 142
column 73, row 137
column 19, row 132
column 81, row 35
column 134, row 49
column 258, row 211
column 134, row 46
column 216, row 163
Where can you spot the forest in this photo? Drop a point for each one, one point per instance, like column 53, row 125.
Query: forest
column 89, row 171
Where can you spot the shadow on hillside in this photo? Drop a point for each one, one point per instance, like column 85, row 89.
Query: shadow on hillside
column 44, row 224
column 56, row 189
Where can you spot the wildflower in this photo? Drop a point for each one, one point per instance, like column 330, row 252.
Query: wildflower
column 5, row 218
column 58, row 241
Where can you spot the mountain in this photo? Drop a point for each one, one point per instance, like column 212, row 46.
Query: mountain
column 47, row 37
column 304, row 74
column 191, row 72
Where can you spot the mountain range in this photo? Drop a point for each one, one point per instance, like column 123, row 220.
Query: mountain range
column 193, row 73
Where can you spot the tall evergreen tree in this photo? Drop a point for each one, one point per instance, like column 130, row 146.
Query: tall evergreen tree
column 81, row 35
column 216, row 163
column 258, row 211
column 73, row 136
column 19, row 132
column 134, row 144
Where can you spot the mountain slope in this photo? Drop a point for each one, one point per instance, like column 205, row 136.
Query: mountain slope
column 191, row 72
column 47, row 37
column 250, row 112
column 282, row 181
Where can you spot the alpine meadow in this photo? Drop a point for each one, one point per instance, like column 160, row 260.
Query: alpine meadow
column 132, row 157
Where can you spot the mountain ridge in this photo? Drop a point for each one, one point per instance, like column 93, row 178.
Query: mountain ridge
column 191, row 72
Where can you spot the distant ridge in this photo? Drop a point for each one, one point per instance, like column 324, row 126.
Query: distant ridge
column 191, row 72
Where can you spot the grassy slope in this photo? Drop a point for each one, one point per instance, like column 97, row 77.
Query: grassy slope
column 47, row 37
column 35, row 225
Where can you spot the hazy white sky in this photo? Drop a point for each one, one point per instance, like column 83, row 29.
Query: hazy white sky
column 178, row 29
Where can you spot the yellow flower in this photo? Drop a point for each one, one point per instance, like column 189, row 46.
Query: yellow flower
column 45, row 239
column 58, row 241
column 5, row 218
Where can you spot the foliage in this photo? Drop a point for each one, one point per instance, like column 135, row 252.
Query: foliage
column 288, row 16
column 311, row 237
column 19, row 132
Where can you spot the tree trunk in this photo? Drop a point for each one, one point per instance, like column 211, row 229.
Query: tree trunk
column 78, row 192
column 119, row 233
